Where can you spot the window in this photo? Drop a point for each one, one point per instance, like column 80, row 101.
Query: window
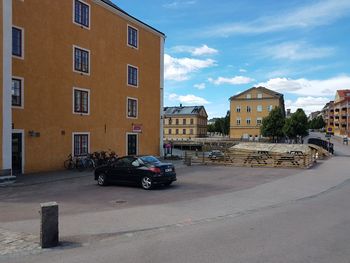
column 249, row 96
column 260, row 95
column 177, row 131
column 169, row 131
column 191, row 131
column 170, row 121
column 177, row 121
column 184, row 121
column 183, row 131
column 238, row 109
column 238, row 121
column 132, row 108
column 259, row 108
column 249, row 109
column 248, row 121
column 132, row 37
column 259, row 121
column 81, row 60
column 192, row 121
column 81, row 101
column 17, row 91
column 132, row 76
column 81, row 13
column 269, row 108
column 81, row 144
column 17, row 42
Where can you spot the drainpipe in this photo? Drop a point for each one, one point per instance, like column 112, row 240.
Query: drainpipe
column 161, row 132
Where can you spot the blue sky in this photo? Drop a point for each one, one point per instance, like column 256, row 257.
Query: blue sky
column 216, row 49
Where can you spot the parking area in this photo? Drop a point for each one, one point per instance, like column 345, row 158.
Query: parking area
column 79, row 193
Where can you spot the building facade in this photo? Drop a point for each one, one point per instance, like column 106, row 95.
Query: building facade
column 248, row 110
column 89, row 78
column 342, row 113
column 185, row 122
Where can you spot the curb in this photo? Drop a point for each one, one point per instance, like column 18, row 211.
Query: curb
column 6, row 180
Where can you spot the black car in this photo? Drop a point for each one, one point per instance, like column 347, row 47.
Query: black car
column 144, row 170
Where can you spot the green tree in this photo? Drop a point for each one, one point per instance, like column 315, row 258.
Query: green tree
column 317, row 123
column 272, row 125
column 296, row 125
column 221, row 125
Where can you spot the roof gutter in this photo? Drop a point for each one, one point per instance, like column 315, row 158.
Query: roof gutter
column 128, row 17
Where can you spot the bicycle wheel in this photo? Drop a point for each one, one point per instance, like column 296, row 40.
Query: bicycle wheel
column 68, row 164
column 80, row 165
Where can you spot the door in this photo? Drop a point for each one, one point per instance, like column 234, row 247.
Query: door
column 17, row 153
column 132, row 144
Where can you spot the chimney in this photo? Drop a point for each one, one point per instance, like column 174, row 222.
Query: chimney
column 180, row 105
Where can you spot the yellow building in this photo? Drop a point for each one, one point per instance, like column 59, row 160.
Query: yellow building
column 341, row 108
column 185, row 122
column 249, row 108
column 86, row 76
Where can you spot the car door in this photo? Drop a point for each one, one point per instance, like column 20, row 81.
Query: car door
column 137, row 170
column 119, row 170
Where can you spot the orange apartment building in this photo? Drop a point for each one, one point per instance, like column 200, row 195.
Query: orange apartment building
column 86, row 76
column 248, row 110
column 342, row 113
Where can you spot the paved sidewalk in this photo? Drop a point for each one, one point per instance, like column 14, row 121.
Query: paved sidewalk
column 14, row 242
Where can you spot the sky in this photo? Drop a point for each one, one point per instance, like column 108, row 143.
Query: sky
column 217, row 49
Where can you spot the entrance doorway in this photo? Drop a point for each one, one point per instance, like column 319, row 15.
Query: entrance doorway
column 131, row 144
column 17, row 153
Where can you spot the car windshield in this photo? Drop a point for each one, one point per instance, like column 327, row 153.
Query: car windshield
column 149, row 159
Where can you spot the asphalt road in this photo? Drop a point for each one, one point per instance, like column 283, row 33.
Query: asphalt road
column 79, row 195
column 312, row 229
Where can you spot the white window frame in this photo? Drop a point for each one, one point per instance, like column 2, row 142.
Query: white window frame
column 73, row 95
column 23, row 42
column 250, row 121
column 80, row 133
column 22, row 93
column 259, row 108
column 260, row 96
column 137, row 142
column 127, row 36
column 137, row 107
column 81, row 72
column 238, row 109
column 238, row 121
column 127, row 75
column 80, row 25
column 250, row 109
column 259, row 119
column 249, row 96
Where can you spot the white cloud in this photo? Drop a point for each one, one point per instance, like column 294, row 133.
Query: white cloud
column 179, row 69
column 178, row 4
column 204, row 50
column 237, row 80
column 308, row 104
column 315, row 14
column 242, row 70
column 200, row 86
column 194, row 51
column 297, row 51
column 305, row 87
column 189, row 99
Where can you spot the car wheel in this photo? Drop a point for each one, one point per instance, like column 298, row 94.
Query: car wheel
column 102, row 180
column 146, row 183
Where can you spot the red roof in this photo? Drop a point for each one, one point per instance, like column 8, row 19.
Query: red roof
column 344, row 93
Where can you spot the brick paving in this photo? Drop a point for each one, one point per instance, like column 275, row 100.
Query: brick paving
column 15, row 243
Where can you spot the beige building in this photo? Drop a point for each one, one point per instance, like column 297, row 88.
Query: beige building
column 248, row 110
column 86, row 77
column 342, row 113
column 185, row 122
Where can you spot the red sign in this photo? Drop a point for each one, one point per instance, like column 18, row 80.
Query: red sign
column 137, row 127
